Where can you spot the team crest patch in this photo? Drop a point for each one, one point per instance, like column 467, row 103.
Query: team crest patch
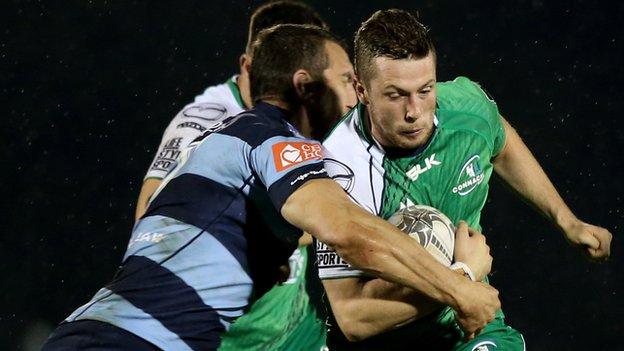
column 288, row 154
column 470, row 176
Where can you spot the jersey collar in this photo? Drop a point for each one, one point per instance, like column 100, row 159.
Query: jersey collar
column 363, row 124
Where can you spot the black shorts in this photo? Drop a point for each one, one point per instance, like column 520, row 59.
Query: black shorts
column 94, row 335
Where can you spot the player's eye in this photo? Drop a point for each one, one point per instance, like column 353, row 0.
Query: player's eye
column 346, row 78
column 393, row 95
column 425, row 90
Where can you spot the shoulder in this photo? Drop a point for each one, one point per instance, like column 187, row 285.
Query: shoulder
column 225, row 96
column 347, row 142
column 465, row 95
column 344, row 137
column 463, row 104
column 213, row 106
column 257, row 125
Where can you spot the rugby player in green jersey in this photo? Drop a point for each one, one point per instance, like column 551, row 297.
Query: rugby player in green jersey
column 412, row 140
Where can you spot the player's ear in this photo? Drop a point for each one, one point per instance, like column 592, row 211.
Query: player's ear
column 244, row 62
column 301, row 82
column 361, row 91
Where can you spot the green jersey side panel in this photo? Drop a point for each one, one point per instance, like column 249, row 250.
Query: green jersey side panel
column 282, row 319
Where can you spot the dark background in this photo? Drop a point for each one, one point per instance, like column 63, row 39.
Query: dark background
column 88, row 88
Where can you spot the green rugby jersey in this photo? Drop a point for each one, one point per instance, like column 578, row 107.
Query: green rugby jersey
column 450, row 173
column 283, row 318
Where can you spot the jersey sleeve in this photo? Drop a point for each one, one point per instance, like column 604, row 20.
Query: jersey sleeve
column 493, row 117
column 465, row 95
column 285, row 163
column 187, row 125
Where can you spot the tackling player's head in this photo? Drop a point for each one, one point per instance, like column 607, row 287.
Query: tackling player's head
column 281, row 12
column 266, row 16
column 396, row 76
column 304, row 68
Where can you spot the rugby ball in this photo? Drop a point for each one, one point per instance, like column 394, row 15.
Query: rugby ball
column 430, row 227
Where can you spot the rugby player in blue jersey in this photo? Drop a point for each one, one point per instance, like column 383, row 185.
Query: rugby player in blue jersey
column 270, row 322
column 258, row 176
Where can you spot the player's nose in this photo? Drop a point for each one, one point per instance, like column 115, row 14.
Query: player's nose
column 414, row 108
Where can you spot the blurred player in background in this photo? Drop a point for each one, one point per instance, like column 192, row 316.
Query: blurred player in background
column 409, row 141
column 283, row 316
column 187, row 273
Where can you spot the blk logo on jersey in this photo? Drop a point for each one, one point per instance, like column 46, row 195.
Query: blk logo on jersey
column 470, row 176
column 417, row 170
column 288, row 154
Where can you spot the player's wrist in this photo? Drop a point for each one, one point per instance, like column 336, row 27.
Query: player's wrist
column 464, row 270
column 565, row 220
column 459, row 292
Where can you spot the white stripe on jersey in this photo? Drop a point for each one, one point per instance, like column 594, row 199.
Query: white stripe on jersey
column 357, row 165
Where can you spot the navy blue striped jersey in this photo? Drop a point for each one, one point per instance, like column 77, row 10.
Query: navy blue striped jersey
column 212, row 237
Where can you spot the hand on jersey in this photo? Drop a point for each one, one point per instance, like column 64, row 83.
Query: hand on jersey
column 472, row 249
column 593, row 240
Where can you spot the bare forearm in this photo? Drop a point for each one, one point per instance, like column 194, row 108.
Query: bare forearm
column 410, row 304
column 519, row 169
column 415, row 305
column 416, row 268
column 373, row 245
column 360, row 314
column 382, row 289
column 364, row 318
column 321, row 208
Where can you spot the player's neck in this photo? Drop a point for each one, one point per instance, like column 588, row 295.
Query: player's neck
column 301, row 121
column 245, row 92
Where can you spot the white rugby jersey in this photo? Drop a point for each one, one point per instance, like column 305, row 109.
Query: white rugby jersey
column 211, row 107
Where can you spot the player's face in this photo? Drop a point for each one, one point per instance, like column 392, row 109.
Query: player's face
column 401, row 101
column 336, row 95
column 339, row 77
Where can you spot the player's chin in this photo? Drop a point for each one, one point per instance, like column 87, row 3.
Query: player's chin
column 408, row 142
